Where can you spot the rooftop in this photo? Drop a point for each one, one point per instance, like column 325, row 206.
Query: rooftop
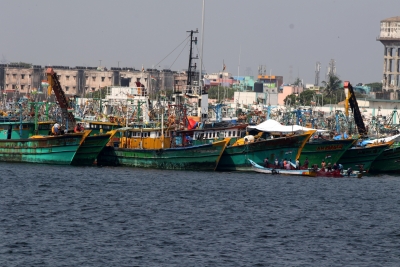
column 392, row 19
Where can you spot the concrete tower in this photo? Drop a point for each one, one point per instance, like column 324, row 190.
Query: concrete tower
column 390, row 38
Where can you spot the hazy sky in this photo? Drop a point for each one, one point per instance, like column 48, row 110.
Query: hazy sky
column 287, row 36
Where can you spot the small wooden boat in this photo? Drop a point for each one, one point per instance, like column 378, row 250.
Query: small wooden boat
column 261, row 169
column 338, row 174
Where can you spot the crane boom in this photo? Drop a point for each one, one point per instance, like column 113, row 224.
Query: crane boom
column 351, row 98
column 54, row 84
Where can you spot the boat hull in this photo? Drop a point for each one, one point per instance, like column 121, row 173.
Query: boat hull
column 388, row 161
column 196, row 158
column 354, row 157
column 327, row 150
column 89, row 150
column 235, row 158
column 45, row 149
column 257, row 168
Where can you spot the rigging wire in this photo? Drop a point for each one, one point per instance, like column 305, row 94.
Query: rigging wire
column 179, row 54
column 202, row 60
column 173, row 50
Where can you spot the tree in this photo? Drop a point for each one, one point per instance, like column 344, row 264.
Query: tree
column 220, row 93
column 298, row 82
column 332, row 85
column 306, row 97
column 375, row 87
column 290, row 100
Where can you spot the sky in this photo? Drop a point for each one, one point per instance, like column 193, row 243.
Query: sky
column 288, row 37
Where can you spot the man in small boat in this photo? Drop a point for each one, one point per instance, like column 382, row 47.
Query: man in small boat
column 349, row 171
column 288, row 166
column 340, row 167
column 335, row 166
column 315, row 167
column 306, row 162
column 323, row 164
column 276, row 163
column 297, row 164
column 329, row 168
column 266, row 162
column 281, row 164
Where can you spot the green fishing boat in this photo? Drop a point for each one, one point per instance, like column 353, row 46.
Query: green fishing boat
column 236, row 156
column 18, row 145
column 388, row 161
column 359, row 156
column 91, row 147
column 148, row 148
column 328, row 150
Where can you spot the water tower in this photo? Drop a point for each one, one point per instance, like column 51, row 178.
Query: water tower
column 390, row 38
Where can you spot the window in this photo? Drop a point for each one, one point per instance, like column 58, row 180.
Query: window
column 86, row 77
column 66, row 88
column 30, row 76
column 94, row 78
column 74, row 88
column 74, row 78
column 109, row 78
column 93, row 88
column 13, row 86
column 102, row 79
column 14, row 75
column 22, row 76
column 229, row 134
column 138, row 79
column 67, row 77
column 22, row 87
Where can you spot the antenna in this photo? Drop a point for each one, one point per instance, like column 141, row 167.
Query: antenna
column 317, row 71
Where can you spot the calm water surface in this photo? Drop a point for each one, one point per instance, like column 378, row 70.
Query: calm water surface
column 90, row 216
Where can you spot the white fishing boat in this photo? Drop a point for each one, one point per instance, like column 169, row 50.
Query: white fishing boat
column 261, row 169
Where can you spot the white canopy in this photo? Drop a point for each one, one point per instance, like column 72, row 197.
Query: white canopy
column 381, row 140
column 274, row 126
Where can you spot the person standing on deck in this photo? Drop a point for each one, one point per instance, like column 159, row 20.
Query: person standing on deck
column 297, row 164
column 55, row 130
column 276, row 164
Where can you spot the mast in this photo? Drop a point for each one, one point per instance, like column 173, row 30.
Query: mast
column 191, row 68
column 201, row 51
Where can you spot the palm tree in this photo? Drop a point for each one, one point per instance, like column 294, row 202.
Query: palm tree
column 332, row 85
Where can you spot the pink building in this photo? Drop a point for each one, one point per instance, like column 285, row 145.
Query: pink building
column 288, row 90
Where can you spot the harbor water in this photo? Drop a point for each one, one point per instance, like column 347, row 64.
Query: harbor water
column 115, row 216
